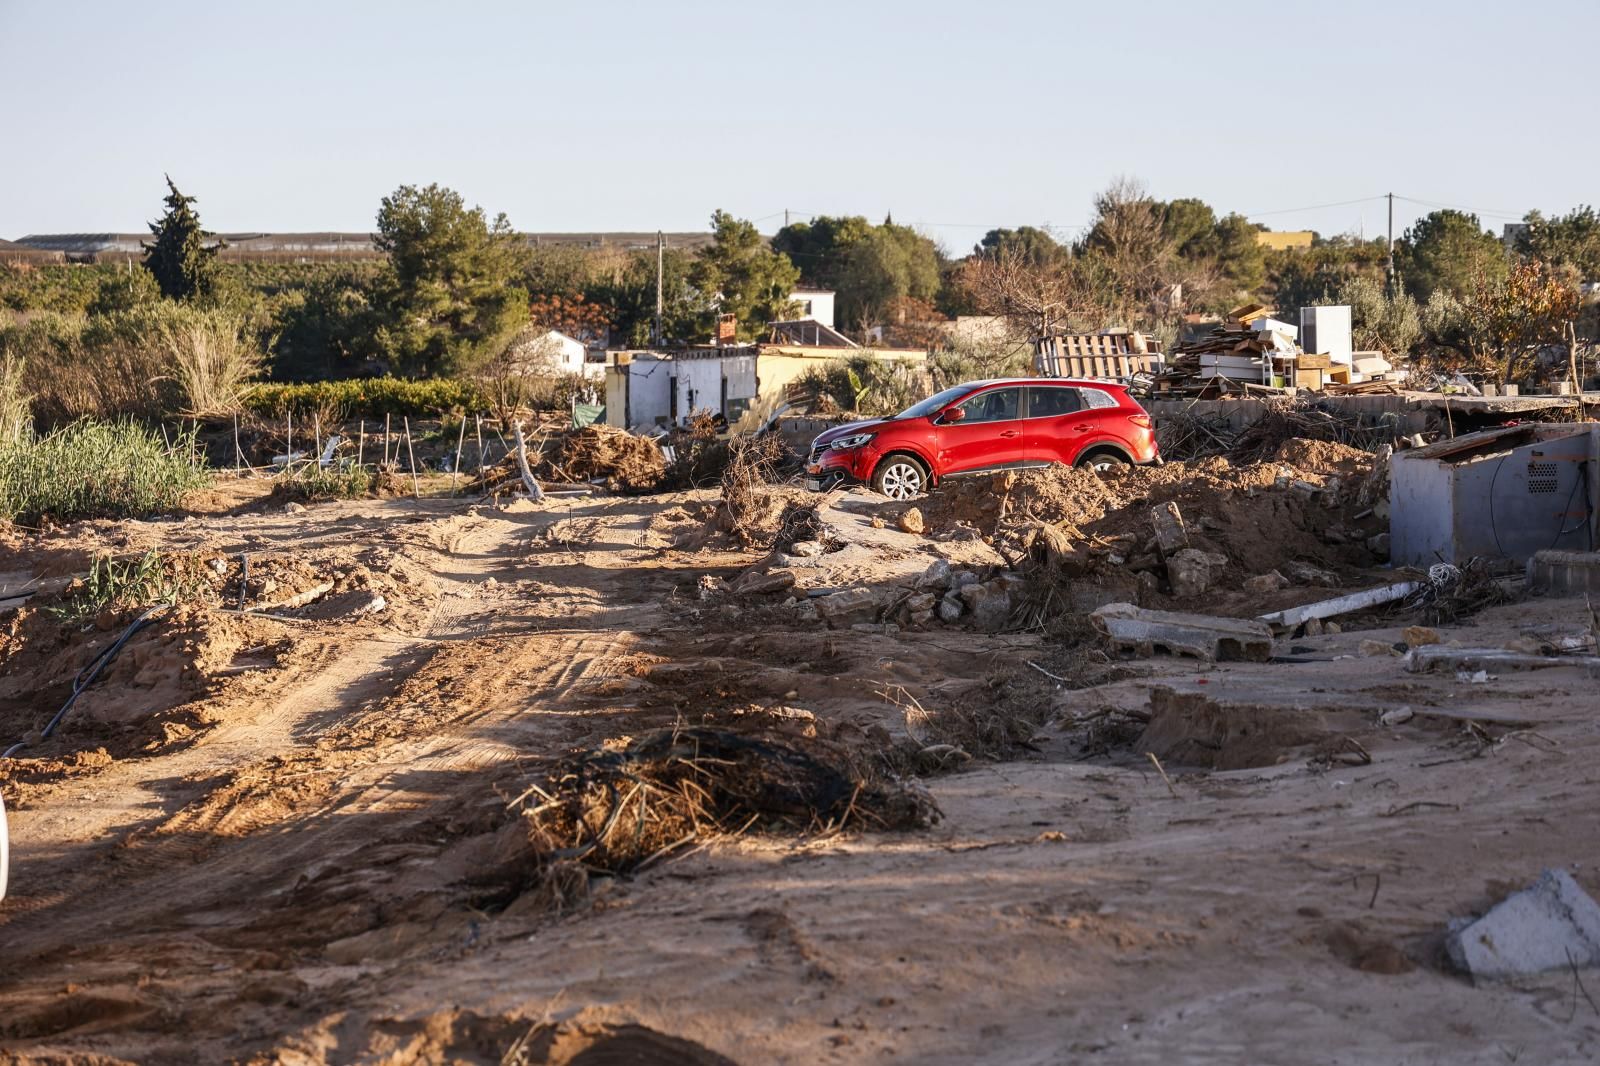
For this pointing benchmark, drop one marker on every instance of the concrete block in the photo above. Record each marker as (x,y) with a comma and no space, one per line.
(1190,571)
(1201,636)
(1558,573)
(1550,925)
(1171,536)
(851,605)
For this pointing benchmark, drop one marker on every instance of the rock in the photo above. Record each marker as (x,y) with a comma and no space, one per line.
(1171,535)
(1306,574)
(1332,627)
(937,576)
(1552,924)
(876,523)
(1378,544)
(874,627)
(710,586)
(911,521)
(849,606)
(1149,584)
(1313,627)
(989,604)
(294,508)
(921,618)
(1142,562)
(1190,572)
(806,611)
(1132,628)
(951,608)
(959,578)
(1271,581)
(763,584)
(806,549)
(1398,716)
(922,601)
(1376,648)
(1417,636)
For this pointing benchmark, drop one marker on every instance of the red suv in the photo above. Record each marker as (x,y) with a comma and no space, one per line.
(984,426)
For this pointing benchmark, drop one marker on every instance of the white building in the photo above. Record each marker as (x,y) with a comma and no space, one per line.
(815,305)
(561,353)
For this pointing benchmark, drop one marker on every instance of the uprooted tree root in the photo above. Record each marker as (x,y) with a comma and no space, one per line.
(617,811)
(746,488)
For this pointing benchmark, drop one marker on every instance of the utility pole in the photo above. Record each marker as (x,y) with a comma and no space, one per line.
(1391,244)
(786,218)
(661,245)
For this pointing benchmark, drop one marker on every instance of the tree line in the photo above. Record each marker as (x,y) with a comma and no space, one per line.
(455,287)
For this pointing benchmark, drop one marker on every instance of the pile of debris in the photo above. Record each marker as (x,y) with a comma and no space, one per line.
(592,454)
(1186,435)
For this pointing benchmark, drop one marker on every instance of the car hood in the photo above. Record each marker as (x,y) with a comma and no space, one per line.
(831,435)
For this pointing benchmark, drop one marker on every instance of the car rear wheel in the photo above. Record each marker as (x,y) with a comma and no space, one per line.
(900,477)
(1101,462)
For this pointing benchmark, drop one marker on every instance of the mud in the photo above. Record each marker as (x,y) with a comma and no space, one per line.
(325,866)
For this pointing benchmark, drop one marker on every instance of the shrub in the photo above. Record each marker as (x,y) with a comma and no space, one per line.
(136,583)
(211,360)
(313,482)
(97,470)
(365,398)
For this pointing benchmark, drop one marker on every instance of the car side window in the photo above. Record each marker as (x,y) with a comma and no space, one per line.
(1050,401)
(996,405)
(1094,398)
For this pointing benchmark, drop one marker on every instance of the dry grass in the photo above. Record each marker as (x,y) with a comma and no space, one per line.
(211,361)
(746,488)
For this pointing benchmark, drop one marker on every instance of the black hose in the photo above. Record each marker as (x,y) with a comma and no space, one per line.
(87,675)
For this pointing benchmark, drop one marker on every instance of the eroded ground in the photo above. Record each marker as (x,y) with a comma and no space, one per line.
(278,836)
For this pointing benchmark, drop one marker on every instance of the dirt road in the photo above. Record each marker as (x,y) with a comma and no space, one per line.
(296,879)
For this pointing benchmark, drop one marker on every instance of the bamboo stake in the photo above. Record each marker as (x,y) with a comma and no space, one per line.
(461,438)
(288,448)
(386,440)
(477,427)
(416,485)
(316,439)
(361,444)
(238,452)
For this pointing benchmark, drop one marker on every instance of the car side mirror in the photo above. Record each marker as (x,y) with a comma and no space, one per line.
(953,414)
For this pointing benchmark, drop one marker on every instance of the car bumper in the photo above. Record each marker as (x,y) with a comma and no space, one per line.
(831,469)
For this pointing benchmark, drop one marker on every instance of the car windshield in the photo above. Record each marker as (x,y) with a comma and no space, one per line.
(935,402)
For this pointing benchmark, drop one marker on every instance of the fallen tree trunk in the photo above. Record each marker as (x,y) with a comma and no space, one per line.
(522,464)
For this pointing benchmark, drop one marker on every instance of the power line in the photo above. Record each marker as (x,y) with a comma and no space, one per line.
(1313,207)
(1458,207)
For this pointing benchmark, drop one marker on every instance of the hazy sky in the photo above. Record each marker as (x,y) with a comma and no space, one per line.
(611,115)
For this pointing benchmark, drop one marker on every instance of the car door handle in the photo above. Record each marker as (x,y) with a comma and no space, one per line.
(1009,433)
(1080,429)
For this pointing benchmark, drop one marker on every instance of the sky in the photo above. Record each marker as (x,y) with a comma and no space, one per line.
(956,117)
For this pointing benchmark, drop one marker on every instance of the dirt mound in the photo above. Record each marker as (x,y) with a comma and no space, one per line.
(1191,730)
(1308,516)
(1324,456)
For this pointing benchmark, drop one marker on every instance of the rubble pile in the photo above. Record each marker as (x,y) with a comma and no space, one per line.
(1228,535)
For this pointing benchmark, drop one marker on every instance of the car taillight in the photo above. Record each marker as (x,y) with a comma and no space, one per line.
(1142,421)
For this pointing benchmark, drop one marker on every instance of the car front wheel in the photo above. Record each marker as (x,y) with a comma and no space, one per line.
(900,478)
(1101,462)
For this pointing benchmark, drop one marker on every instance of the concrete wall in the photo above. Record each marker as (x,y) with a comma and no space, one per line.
(778,367)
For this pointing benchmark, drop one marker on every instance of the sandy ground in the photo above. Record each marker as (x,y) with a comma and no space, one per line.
(281,868)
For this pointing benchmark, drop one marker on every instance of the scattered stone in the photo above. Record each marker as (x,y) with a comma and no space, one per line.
(922,601)
(921,618)
(874,627)
(1398,716)
(1171,535)
(806,549)
(1378,544)
(763,584)
(1332,627)
(951,608)
(1417,636)
(911,521)
(1313,627)
(959,578)
(989,603)
(1306,574)
(1376,648)
(1190,572)
(851,605)
(806,611)
(1149,584)
(1131,628)
(294,508)
(937,576)
(1552,924)
(1271,581)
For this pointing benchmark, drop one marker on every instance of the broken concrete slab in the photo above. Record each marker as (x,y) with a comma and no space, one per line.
(851,605)
(1355,601)
(1435,658)
(1559,573)
(758,584)
(1550,925)
(1131,628)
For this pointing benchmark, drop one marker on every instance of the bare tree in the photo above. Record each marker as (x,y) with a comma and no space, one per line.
(1034,300)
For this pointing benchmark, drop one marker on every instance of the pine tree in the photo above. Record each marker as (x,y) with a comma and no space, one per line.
(179,258)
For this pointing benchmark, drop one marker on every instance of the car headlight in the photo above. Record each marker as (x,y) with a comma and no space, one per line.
(854,440)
